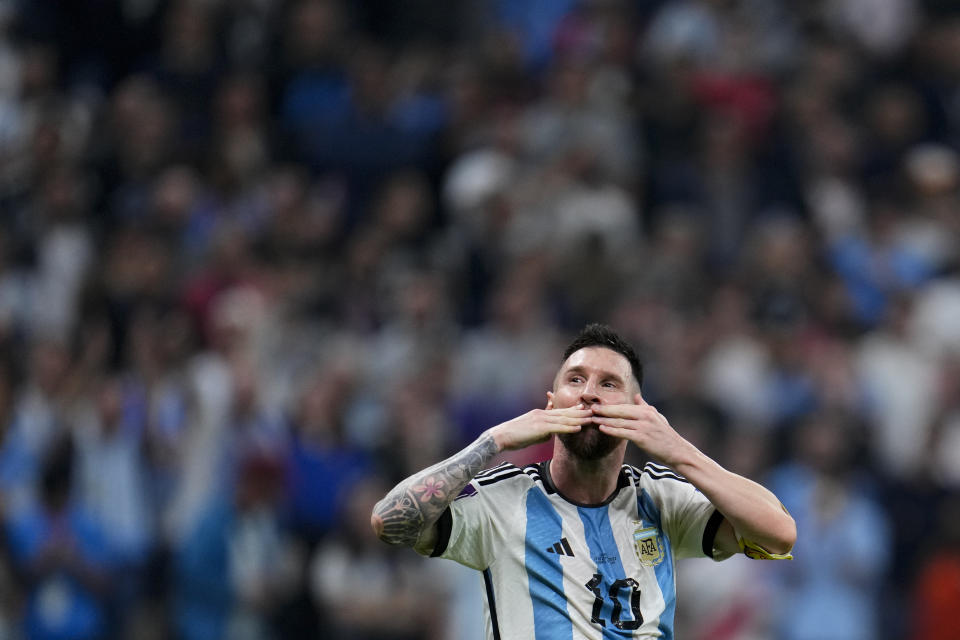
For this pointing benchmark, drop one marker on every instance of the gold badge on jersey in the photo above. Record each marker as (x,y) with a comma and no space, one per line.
(648,546)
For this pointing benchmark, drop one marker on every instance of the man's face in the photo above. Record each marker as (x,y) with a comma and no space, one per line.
(592,375)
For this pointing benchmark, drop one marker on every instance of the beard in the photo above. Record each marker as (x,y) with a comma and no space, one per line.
(589,443)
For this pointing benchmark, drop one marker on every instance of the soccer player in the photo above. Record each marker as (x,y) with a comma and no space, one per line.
(582,545)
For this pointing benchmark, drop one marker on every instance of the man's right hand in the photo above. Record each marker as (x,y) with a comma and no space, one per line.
(538,425)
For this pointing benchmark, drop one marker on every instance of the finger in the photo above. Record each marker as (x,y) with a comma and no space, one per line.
(616,432)
(615,410)
(618,423)
(549,400)
(565,428)
(638,399)
(579,410)
(577,420)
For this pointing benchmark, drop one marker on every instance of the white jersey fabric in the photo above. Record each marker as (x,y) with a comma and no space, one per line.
(554,569)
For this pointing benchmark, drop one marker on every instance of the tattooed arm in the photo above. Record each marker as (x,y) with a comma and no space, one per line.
(405,517)
(408,514)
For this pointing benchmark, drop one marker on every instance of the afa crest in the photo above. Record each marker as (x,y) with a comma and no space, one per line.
(648,546)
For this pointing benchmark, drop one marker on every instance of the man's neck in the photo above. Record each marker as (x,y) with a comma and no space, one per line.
(585,481)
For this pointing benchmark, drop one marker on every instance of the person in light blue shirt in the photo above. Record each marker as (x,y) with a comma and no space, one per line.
(62,553)
(833,586)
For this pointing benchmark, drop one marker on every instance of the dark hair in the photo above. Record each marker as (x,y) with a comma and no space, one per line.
(601,335)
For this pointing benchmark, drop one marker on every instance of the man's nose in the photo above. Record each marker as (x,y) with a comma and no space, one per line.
(589,395)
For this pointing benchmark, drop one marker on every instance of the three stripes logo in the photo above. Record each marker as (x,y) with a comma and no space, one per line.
(561,548)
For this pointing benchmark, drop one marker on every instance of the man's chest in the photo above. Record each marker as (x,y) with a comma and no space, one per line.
(600,567)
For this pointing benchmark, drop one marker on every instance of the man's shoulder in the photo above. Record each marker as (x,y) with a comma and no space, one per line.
(653,475)
(507,474)
(499,486)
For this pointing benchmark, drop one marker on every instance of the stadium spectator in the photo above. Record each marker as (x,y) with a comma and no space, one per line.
(61,554)
(322,455)
(363,590)
(844,551)
(237,567)
(111,484)
(35,424)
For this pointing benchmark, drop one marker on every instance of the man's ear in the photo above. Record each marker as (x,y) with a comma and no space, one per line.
(549,400)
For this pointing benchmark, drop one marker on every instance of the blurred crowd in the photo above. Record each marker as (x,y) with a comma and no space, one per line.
(261,259)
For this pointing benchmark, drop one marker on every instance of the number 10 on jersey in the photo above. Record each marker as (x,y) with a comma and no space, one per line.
(631,590)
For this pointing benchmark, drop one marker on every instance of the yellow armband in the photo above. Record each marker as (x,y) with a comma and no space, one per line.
(756,552)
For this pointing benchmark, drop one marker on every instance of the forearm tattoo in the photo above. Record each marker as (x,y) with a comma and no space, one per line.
(418,501)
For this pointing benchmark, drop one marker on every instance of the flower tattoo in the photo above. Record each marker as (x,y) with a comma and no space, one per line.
(418,501)
(431,488)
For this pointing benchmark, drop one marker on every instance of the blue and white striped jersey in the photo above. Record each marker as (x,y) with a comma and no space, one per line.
(558,570)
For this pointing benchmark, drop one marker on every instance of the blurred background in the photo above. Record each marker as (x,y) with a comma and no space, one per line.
(261,259)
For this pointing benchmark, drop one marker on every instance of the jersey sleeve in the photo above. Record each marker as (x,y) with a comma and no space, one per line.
(467,530)
(687,517)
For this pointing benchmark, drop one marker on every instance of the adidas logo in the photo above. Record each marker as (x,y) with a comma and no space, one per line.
(561,548)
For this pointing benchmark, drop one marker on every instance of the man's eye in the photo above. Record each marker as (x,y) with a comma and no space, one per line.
(609,385)
(576,379)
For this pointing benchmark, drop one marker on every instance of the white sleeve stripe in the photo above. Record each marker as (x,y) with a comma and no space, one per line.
(500,476)
(493,470)
(653,466)
(658,473)
(499,472)
(532,470)
(668,476)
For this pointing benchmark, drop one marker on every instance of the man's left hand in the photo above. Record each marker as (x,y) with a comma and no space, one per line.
(645,427)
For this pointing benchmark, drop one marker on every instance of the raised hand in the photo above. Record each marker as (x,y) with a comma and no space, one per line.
(753,512)
(407,514)
(645,427)
(538,425)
